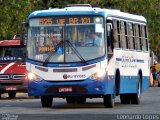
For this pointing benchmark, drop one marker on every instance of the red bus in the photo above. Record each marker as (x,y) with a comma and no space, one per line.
(12,67)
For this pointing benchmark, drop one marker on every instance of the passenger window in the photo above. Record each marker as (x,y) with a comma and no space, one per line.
(115,36)
(124,46)
(130,36)
(144,38)
(139,38)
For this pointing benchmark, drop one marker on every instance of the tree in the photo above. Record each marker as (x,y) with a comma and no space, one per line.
(16,11)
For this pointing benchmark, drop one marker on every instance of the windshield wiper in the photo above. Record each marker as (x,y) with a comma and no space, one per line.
(52,53)
(76,52)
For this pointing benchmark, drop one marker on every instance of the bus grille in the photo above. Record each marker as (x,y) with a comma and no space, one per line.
(11,76)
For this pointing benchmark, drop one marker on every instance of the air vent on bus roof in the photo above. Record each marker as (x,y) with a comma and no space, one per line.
(78,5)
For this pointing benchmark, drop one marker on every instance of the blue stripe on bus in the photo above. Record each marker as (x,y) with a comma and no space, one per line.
(140,61)
(128,84)
(133,60)
(118,59)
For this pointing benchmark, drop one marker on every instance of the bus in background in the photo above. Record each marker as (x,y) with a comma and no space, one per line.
(12,67)
(66,61)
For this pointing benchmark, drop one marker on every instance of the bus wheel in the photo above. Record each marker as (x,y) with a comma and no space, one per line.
(81,100)
(70,100)
(135,98)
(108,101)
(46,101)
(12,95)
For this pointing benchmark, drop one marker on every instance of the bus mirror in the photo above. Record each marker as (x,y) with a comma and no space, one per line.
(23,31)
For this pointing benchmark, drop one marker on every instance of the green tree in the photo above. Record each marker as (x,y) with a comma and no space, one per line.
(13,12)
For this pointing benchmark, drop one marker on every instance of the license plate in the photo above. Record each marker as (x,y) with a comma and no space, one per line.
(10,88)
(66,89)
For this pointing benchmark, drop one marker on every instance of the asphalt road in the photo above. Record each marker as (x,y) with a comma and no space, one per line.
(25,108)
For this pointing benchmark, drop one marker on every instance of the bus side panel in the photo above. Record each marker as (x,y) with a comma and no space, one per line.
(145,83)
(128,84)
(110,83)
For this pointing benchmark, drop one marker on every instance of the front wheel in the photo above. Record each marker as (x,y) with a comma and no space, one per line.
(46,101)
(109,101)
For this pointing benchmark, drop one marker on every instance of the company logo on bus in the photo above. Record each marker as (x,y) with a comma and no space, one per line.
(65,76)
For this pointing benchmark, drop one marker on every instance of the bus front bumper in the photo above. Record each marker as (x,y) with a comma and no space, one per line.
(70,88)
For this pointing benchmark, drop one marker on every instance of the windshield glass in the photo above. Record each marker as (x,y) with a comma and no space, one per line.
(12,53)
(66,39)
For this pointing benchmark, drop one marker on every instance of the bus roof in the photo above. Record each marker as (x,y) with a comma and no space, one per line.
(86,10)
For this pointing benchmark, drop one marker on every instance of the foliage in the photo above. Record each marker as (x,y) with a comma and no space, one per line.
(13,12)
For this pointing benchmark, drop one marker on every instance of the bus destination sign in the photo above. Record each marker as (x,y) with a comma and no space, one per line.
(65,20)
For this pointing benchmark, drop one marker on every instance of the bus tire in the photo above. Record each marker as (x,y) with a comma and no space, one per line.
(109,101)
(12,95)
(70,100)
(46,101)
(125,98)
(135,98)
(81,100)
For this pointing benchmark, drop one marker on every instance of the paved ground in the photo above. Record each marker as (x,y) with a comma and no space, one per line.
(24,105)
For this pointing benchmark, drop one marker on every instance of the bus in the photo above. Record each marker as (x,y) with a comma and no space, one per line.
(12,67)
(62,63)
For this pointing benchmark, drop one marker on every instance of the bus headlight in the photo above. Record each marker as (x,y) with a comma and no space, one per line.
(31,76)
(99,74)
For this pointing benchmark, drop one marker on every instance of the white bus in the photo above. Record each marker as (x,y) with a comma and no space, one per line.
(64,62)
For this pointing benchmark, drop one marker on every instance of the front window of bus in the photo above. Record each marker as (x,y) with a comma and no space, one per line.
(66,39)
(12,53)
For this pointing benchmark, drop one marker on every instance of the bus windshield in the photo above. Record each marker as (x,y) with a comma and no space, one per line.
(12,53)
(66,39)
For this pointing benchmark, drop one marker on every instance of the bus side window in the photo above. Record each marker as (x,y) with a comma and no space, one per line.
(123,37)
(134,36)
(137,41)
(131,36)
(129,39)
(144,38)
(140,35)
(119,34)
